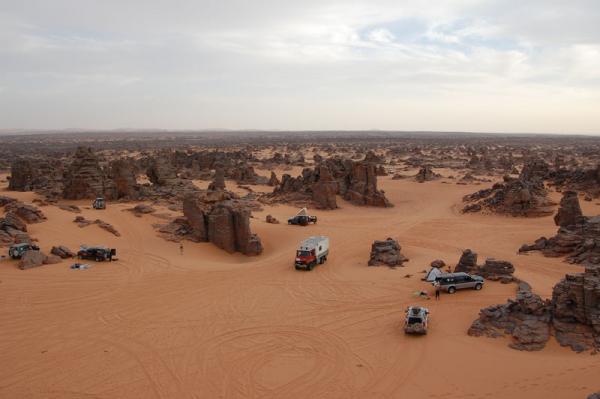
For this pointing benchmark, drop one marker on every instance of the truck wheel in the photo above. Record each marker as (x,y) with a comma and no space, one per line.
(296,267)
(324,259)
(451,290)
(478,286)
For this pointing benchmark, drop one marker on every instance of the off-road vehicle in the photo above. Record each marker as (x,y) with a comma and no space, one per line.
(16,251)
(450,282)
(99,254)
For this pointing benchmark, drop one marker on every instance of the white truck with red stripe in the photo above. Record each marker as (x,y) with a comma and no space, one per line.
(312,251)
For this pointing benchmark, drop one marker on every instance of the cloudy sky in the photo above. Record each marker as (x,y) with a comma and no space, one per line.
(497,66)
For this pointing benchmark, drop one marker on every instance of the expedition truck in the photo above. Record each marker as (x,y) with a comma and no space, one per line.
(312,251)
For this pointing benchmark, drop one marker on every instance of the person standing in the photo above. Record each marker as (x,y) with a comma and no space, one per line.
(181,248)
(437,290)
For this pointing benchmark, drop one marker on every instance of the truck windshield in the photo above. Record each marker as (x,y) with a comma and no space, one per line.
(303,253)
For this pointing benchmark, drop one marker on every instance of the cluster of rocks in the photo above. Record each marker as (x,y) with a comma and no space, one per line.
(492,269)
(13,226)
(578,236)
(515,197)
(572,316)
(386,252)
(354,181)
(217,218)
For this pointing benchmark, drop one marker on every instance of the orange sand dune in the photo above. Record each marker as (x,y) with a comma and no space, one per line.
(207,324)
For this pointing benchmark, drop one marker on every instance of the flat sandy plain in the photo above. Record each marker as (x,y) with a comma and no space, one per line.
(206,324)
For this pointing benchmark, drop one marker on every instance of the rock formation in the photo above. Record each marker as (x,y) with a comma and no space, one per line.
(62,252)
(577,239)
(84,178)
(41,175)
(29,213)
(387,253)
(354,181)
(426,173)
(514,197)
(572,316)
(218,182)
(122,180)
(467,262)
(272,220)
(160,171)
(324,189)
(492,269)
(219,220)
(31,259)
(569,213)
(526,320)
(362,186)
(273,180)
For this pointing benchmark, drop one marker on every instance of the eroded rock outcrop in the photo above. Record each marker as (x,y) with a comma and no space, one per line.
(572,316)
(569,213)
(354,181)
(31,259)
(515,197)
(29,213)
(84,177)
(467,262)
(578,242)
(62,252)
(122,182)
(220,220)
(386,252)
(526,320)
(426,173)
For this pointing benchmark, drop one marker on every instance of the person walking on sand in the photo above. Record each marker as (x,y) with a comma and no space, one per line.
(437,290)
(181,248)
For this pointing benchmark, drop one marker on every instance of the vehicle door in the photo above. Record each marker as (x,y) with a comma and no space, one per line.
(462,282)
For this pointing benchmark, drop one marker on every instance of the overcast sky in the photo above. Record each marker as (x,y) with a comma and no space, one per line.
(498,66)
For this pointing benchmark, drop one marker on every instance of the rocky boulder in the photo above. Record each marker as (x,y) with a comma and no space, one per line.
(270,219)
(386,252)
(31,259)
(62,252)
(569,213)
(467,262)
(494,269)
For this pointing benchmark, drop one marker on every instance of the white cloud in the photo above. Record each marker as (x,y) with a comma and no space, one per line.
(302,65)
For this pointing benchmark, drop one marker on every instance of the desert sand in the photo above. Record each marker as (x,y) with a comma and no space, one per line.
(208,324)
